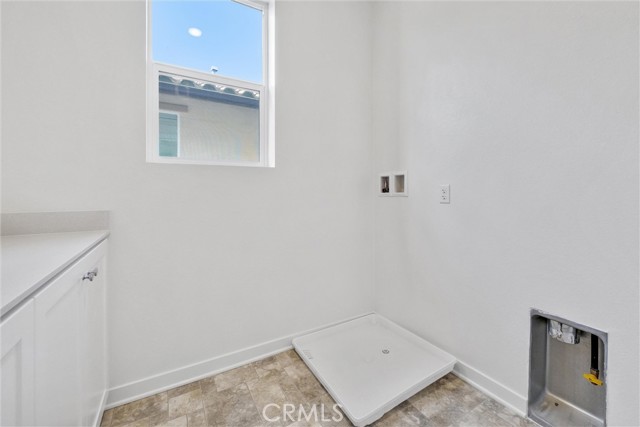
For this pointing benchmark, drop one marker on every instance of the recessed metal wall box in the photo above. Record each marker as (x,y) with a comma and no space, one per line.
(567,373)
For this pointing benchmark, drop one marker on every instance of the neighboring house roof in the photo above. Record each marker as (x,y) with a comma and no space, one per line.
(208,91)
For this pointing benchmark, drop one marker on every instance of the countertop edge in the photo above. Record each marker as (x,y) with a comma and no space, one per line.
(16,302)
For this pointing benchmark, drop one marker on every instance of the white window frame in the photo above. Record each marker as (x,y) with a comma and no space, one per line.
(266,90)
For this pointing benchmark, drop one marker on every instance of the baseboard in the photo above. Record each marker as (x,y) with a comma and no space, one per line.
(103,403)
(167,380)
(491,387)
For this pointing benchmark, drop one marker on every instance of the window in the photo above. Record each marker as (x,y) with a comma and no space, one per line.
(209,88)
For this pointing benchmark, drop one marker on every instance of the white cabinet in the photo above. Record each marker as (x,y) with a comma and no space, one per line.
(93,340)
(17,367)
(58,352)
(54,350)
(70,345)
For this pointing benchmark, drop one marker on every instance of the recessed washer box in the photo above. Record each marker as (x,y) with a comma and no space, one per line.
(393,184)
(370,365)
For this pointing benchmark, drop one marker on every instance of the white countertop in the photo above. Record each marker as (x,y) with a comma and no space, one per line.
(31,260)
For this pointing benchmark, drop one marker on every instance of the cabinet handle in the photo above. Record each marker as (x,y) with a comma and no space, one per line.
(91,275)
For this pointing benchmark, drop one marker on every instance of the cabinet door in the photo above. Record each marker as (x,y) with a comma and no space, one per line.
(93,342)
(58,394)
(70,362)
(16,369)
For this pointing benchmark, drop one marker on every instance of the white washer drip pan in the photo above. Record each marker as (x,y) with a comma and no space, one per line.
(370,365)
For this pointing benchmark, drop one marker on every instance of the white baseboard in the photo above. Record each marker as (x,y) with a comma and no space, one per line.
(167,380)
(491,387)
(103,403)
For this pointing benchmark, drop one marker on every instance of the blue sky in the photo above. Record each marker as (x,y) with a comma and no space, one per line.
(231,37)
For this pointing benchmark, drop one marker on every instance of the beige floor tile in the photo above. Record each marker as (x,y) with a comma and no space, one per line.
(139,409)
(236,398)
(293,397)
(265,366)
(296,360)
(231,407)
(304,424)
(234,377)
(429,391)
(183,389)
(185,403)
(162,419)
(208,385)
(240,412)
(272,375)
(306,382)
(439,405)
(395,418)
(196,419)
(520,421)
(432,399)
(138,423)
(329,413)
(286,358)
(483,415)
(269,399)
(174,422)
(410,412)
(493,407)
(107,416)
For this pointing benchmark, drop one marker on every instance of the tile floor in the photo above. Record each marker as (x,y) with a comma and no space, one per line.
(236,398)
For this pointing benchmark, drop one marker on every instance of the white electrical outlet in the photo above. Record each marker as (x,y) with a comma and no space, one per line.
(444,193)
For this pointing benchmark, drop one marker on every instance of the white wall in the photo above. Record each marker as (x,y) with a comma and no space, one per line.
(203,260)
(530,111)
